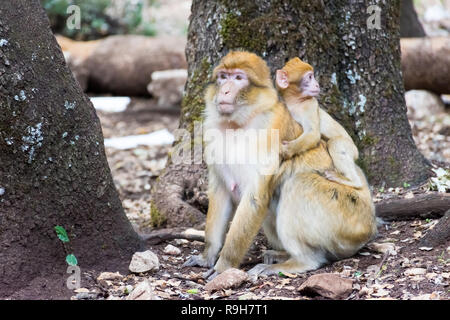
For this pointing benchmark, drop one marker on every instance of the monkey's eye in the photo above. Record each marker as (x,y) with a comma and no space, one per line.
(222,76)
(238,77)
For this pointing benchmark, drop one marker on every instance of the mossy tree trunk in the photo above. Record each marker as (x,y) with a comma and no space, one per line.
(53,168)
(358,68)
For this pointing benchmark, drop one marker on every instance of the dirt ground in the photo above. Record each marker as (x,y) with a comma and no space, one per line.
(393,266)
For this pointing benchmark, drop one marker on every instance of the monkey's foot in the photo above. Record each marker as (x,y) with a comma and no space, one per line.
(197,261)
(259,269)
(334,177)
(274,256)
(210,274)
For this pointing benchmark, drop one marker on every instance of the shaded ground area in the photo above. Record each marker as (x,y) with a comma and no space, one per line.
(394,266)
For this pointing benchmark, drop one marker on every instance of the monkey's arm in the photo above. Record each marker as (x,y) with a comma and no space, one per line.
(309,120)
(219,212)
(246,223)
(342,150)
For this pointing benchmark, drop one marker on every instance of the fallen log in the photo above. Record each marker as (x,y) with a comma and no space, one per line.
(123,65)
(426,63)
(429,205)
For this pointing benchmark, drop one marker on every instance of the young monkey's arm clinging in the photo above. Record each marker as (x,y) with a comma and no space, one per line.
(308,118)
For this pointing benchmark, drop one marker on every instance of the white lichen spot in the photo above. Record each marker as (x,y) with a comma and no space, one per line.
(3,42)
(2,191)
(361,103)
(334,79)
(9,141)
(33,56)
(32,140)
(64,135)
(348,15)
(77,137)
(70,105)
(352,77)
(361,134)
(352,109)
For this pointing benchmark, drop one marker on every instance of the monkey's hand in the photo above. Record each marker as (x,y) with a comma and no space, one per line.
(198,261)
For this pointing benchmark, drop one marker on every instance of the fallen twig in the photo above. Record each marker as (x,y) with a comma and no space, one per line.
(161,235)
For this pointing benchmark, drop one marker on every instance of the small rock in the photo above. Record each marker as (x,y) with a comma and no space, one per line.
(172,250)
(168,86)
(143,291)
(385,248)
(427,296)
(109,276)
(80,290)
(230,278)
(415,271)
(144,261)
(421,104)
(327,285)
(426,248)
(86,296)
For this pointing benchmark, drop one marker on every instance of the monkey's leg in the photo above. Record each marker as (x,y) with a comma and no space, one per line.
(270,230)
(217,218)
(246,223)
(343,153)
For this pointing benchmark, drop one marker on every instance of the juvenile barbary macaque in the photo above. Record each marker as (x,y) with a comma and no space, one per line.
(298,87)
(303,214)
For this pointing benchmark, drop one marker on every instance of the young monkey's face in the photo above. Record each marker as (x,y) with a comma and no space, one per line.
(307,86)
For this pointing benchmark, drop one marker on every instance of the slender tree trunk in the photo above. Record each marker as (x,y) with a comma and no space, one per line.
(53,168)
(357,62)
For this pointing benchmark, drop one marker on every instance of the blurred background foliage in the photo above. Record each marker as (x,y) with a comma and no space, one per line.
(100,18)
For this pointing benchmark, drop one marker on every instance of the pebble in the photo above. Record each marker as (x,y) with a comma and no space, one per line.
(172,250)
(144,261)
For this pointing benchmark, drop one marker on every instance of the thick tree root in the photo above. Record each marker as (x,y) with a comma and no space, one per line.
(440,234)
(179,197)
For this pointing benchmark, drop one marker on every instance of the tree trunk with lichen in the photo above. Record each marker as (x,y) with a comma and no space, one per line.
(53,168)
(357,64)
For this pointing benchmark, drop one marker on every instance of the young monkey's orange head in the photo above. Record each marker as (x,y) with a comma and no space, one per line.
(297,77)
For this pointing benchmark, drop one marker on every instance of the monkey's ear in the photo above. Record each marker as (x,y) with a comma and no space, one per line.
(282,79)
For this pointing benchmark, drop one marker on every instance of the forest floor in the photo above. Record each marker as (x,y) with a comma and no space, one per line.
(393,266)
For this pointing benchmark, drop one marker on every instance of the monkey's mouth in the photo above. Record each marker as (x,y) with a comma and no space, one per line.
(225,108)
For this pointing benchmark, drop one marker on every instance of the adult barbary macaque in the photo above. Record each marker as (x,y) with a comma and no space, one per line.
(298,87)
(310,218)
